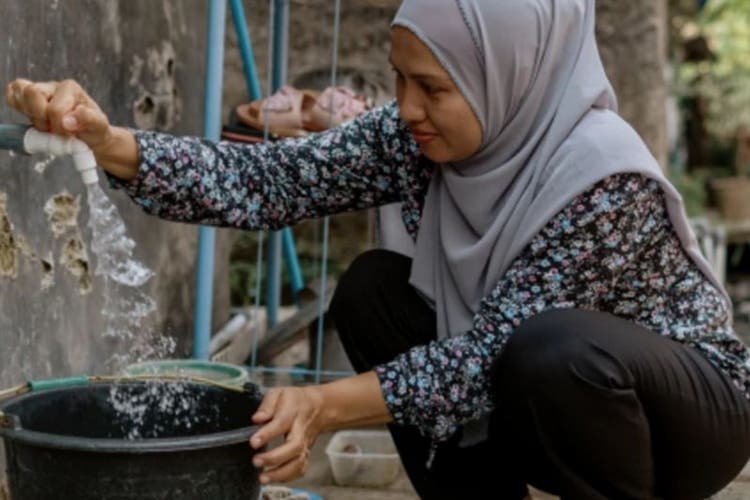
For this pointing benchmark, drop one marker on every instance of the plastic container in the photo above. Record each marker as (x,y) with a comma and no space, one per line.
(218,372)
(733,197)
(71,443)
(363,458)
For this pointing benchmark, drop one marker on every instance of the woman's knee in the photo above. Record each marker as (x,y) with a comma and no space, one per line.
(366,277)
(544,351)
(364,282)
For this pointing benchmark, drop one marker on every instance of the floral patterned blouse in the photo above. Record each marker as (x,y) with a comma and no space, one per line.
(611,249)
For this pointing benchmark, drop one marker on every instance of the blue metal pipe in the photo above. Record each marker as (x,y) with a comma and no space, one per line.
(11,137)
(204,280)
(280,43)
(280,29)
(292,262)
(246,49)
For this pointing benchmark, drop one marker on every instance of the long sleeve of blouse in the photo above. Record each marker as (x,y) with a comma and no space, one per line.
(362,164)
(575,261)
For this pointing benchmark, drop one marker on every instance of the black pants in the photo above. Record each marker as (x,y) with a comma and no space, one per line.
(588,405)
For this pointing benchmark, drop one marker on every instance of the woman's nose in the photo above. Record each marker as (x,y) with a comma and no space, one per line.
(411,104)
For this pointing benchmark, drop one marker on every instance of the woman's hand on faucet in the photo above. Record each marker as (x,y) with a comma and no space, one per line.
(64,108)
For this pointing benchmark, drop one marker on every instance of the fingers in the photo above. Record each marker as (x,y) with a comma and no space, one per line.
(291,413)
(34,103)
(267,407)
(290,470)
(31,99)
(294,446)
(62,108)
(61,105)
(10,96)
(279,426)
(14,93)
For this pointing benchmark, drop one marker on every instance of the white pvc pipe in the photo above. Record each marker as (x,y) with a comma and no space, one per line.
(55,145)
(228,332)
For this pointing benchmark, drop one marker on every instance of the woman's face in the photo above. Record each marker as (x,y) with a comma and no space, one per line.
(439,117)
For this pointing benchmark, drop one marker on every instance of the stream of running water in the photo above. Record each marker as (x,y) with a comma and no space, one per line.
(129,311)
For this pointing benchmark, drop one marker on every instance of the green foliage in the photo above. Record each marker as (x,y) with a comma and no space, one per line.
(724,82)
(693,191)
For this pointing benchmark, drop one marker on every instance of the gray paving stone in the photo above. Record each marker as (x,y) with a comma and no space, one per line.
(738,490)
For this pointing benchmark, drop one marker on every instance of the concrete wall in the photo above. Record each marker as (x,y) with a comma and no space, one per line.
(143,61)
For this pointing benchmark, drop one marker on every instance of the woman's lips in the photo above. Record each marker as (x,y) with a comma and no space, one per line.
(423,137)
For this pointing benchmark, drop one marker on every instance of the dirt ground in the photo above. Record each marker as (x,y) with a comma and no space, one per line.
(319,480)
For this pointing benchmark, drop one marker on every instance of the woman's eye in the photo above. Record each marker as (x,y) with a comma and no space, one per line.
(429,89)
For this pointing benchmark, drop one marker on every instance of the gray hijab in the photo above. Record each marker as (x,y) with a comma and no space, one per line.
(531,71)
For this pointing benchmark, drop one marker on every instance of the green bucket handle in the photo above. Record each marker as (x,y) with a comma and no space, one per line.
(58,383)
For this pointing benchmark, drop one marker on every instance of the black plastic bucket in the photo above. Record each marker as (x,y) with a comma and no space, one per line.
(73,443)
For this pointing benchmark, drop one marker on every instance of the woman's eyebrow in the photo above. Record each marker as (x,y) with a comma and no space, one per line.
(420,76)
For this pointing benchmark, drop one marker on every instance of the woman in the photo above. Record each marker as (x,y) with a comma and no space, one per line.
(557,325)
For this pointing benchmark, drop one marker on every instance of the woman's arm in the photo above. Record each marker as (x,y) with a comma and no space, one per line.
(573,262)
(367,162)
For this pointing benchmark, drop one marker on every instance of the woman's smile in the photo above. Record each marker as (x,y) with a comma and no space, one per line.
(423,138)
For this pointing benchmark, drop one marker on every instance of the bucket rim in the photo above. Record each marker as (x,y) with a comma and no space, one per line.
(118,446)
(122,446)
(236,374)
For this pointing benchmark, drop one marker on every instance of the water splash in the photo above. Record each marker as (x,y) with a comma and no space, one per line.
(128,308)
(41,166)
(129,322)
(111,244)
(143,410)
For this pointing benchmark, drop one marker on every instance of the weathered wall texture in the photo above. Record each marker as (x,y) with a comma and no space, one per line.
(143,61)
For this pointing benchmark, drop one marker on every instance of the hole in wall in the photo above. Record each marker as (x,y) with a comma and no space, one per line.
(62,213)
(145,105)
(75,259)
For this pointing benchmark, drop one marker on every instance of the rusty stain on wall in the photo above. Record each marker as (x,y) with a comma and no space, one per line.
(158,105)
(8,243)
(13,245)
(62,212)
(24,247)
(75,259)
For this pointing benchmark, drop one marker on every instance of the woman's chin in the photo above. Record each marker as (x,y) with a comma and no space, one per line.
(435,153)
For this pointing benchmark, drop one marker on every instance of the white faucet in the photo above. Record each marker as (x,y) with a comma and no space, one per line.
(26,139)
(35,141)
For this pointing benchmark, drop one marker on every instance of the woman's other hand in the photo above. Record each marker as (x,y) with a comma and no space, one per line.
(300,414)
(64,108)
(294,413)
